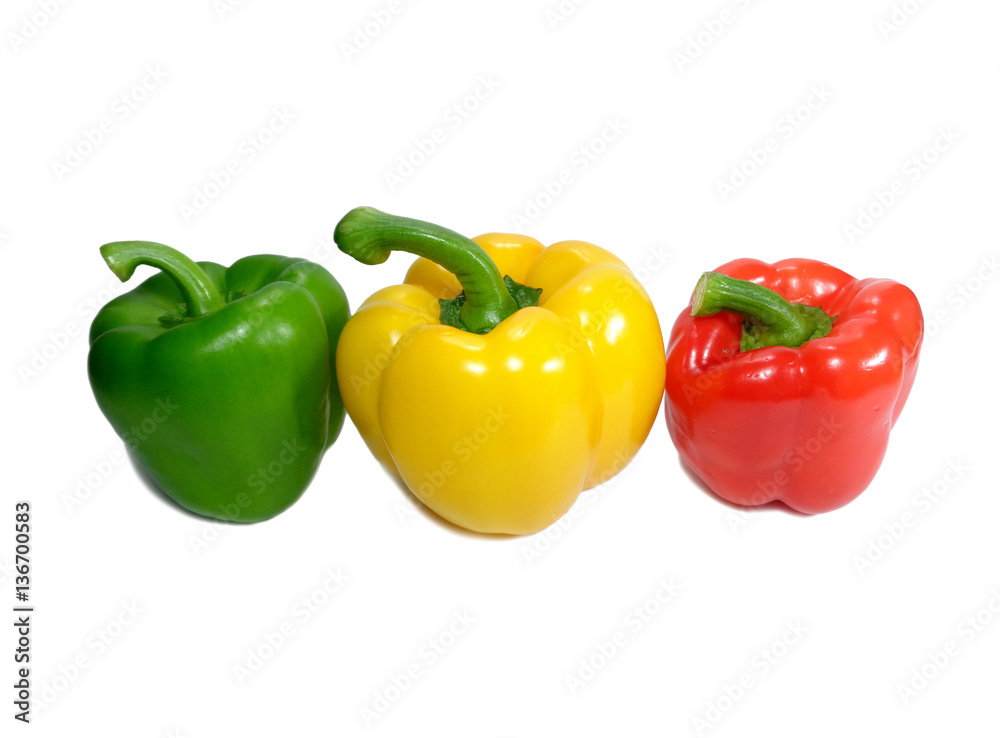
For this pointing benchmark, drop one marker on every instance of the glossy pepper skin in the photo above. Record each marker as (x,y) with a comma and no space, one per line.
(806,423)
(220,380)
(498,420)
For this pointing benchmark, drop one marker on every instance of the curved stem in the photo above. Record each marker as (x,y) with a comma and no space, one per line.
(769,319)
(369,235)
(199,293)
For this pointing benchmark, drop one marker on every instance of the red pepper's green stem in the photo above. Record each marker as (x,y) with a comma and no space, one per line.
(200,295)
(369,235)
(768,318)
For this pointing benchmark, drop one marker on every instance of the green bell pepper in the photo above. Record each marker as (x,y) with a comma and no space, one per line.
(221,381)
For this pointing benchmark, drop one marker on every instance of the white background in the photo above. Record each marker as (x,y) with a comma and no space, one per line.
(210,595)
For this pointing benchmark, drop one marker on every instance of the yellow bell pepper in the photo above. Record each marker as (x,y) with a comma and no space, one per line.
(496,403)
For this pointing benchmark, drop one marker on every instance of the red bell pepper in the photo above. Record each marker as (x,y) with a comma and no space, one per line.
(784,380)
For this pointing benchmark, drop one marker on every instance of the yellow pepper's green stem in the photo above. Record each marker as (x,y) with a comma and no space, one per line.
(768,318)
(369,235)
(200,295)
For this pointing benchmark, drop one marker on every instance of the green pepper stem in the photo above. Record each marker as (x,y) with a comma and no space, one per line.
(200,295)
(369,235)
(768,318)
